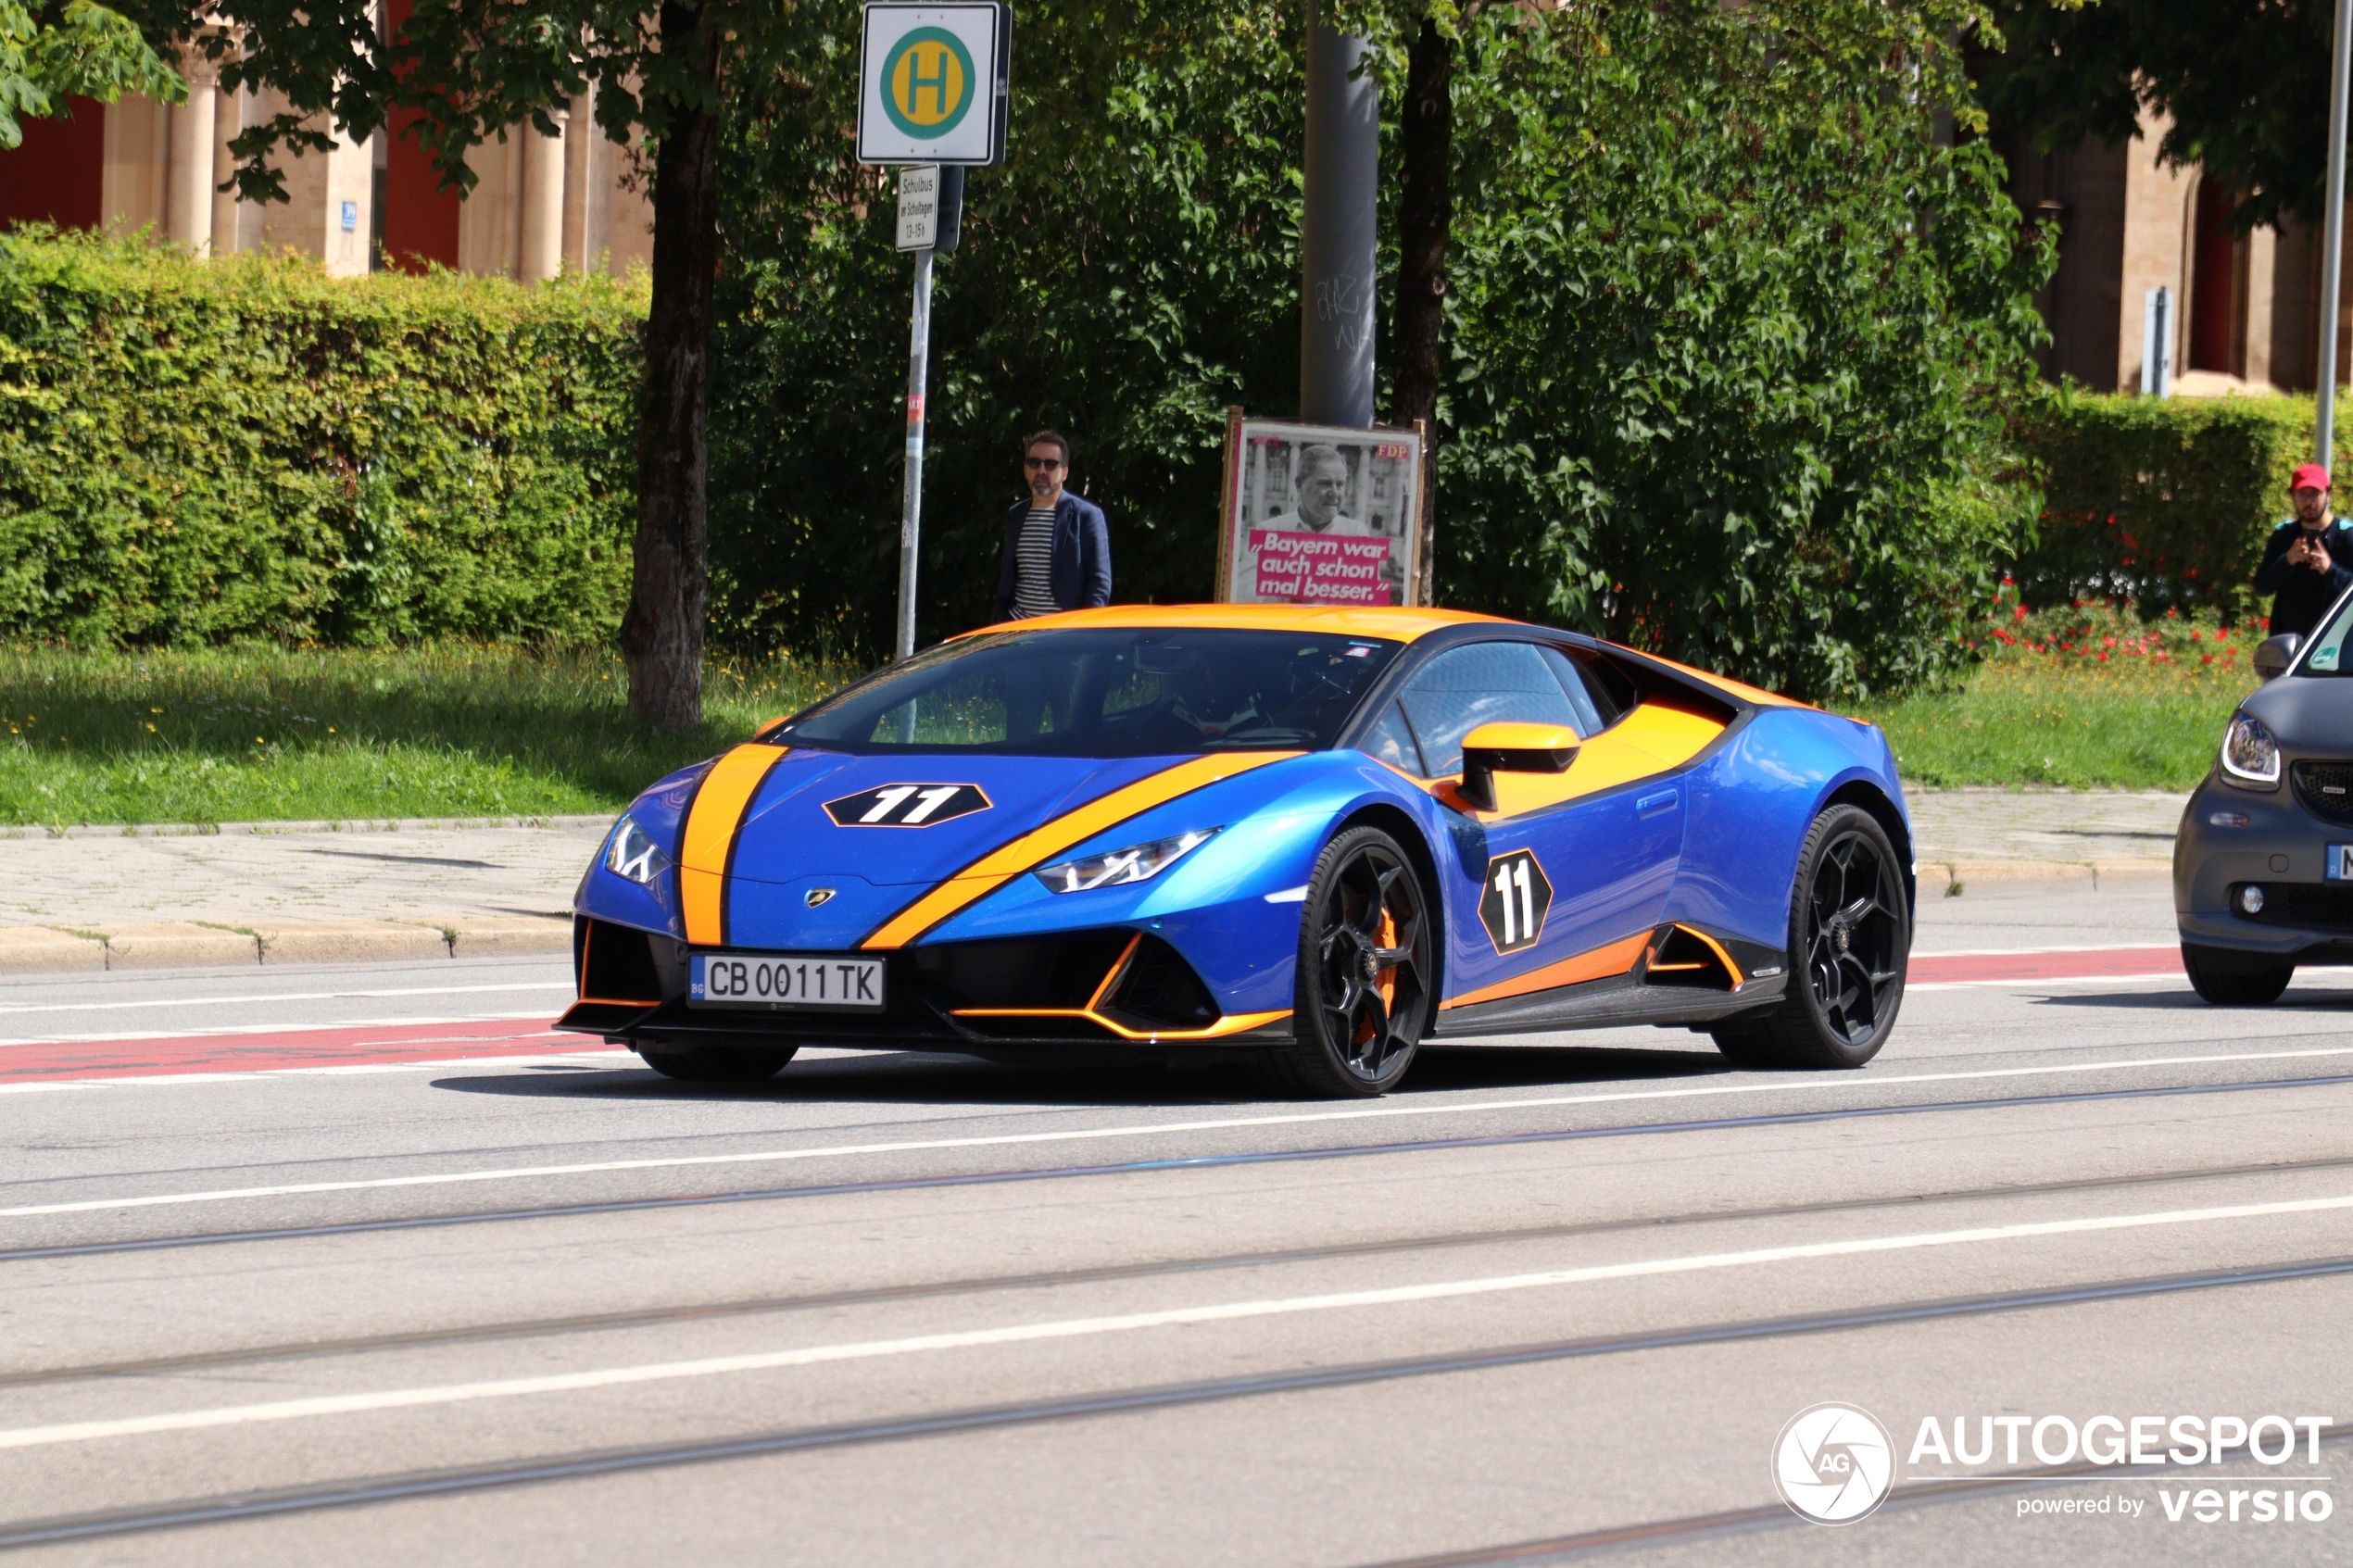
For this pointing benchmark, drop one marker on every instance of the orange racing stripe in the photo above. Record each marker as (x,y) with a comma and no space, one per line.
(708,845)
(1614,958)
(992,870)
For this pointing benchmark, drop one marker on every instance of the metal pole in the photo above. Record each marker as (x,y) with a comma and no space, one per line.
(2332,236)
(1337,231)
(911,515)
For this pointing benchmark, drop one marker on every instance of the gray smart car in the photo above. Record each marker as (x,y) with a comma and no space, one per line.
(2263,859)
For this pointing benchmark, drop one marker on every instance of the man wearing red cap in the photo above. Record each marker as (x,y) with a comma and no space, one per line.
(2309,559)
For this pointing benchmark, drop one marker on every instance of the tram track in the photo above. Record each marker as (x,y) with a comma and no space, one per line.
(1132,1167)
(451,1481)
(590,1323)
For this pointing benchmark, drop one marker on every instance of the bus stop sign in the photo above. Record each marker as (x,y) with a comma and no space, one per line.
(932,81)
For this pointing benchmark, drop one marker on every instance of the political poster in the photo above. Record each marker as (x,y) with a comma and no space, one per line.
(1317,515)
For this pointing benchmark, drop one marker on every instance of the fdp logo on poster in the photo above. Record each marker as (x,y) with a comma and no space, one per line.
(933,83)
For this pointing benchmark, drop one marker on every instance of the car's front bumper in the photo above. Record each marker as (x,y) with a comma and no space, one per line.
(2283,848)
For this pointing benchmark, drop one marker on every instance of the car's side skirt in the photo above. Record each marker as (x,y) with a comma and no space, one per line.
(1596,1004)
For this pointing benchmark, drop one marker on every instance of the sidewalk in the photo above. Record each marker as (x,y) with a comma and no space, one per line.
(314,892)
(290,893)
(1979,836)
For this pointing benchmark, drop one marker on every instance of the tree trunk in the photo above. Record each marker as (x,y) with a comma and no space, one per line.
(670,591)
(1425,214)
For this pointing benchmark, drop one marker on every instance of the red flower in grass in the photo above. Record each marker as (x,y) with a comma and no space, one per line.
(2022,612)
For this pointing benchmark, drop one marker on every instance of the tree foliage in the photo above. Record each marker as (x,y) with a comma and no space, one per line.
(2246,83)
(1131,271)
(50,49)
(1729,334)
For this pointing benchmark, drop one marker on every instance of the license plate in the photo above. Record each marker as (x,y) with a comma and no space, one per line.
(2338,866)
(816,982)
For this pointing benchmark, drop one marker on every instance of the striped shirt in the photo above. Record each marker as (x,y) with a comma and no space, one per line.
(1033,565)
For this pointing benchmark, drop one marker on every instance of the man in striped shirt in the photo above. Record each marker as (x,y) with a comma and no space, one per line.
(1057,547)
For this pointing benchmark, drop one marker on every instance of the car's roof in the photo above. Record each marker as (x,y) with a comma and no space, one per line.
(1398,624)
(1401,624)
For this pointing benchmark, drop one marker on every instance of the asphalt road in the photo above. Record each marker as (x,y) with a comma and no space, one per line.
(339,1266)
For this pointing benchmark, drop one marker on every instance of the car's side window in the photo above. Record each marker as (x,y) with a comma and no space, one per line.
(1593,708)
(1482,683)
(1389,741)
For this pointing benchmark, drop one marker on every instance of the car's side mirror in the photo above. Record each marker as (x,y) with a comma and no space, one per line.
(1512,749)
(2273,654)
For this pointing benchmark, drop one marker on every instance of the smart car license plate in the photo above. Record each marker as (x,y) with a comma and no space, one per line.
(813,982)
(2338,866)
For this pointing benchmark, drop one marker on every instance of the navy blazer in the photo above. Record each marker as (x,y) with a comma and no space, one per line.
(1079,575)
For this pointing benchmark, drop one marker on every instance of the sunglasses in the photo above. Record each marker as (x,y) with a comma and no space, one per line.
(1041,462)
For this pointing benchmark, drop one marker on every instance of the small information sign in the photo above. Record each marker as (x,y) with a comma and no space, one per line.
(918,207)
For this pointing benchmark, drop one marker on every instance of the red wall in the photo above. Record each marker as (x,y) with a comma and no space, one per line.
(55,176)
(420,221)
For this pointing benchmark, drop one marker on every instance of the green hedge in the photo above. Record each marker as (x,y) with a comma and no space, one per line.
(192,452)
(2166,502)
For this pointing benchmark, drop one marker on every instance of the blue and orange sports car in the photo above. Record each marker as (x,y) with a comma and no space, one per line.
(1318,837)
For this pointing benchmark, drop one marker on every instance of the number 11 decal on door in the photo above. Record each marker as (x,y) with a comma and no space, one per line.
(1515,901)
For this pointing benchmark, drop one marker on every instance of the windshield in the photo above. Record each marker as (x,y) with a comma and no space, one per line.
(1145,692)
(2326,655)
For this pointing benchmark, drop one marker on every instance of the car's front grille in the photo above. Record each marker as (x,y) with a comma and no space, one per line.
(2315,906)
(2325,788)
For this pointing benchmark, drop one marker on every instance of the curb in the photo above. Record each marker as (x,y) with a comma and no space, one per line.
(39,949)
(354,824)
(1961,875)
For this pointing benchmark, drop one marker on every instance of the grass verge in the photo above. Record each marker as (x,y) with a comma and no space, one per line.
(2086,698)
(2079,698)
(258,734)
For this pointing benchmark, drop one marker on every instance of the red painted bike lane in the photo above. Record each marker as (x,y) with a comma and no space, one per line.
(379,1044)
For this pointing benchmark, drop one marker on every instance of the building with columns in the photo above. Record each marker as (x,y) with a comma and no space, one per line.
(541,204)
(2247,309)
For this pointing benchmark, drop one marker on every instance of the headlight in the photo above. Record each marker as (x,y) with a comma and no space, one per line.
(2250,755)
(633,855)
(1139,863)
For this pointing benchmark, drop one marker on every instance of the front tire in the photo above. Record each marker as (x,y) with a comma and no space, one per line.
(2216,977)
(1850,936)
(716,1064)
(1366,938)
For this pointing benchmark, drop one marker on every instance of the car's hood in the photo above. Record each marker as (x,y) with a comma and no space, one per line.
(2312,715)
(788,833)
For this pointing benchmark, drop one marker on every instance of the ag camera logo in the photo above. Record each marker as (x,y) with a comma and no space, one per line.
(1833,1463)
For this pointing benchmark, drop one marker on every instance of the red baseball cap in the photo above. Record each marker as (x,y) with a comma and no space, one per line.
(2311,475)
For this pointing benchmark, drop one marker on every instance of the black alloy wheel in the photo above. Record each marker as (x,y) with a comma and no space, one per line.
(715,1063)
(2230,980)
(1365,971)
(1850,934)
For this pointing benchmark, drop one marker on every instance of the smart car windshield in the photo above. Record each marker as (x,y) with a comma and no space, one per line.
(2327,654)
(1141,692)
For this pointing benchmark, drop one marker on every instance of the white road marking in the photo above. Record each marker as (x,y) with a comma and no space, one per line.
(2034,982)
(1128,1323)
(1089,1135)
(2170,943)
(289,997)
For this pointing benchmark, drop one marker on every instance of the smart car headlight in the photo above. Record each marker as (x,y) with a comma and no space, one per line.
(2250,754)
(632,855)
(1138,862)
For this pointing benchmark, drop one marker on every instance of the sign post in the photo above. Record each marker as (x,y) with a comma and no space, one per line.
(932,98)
